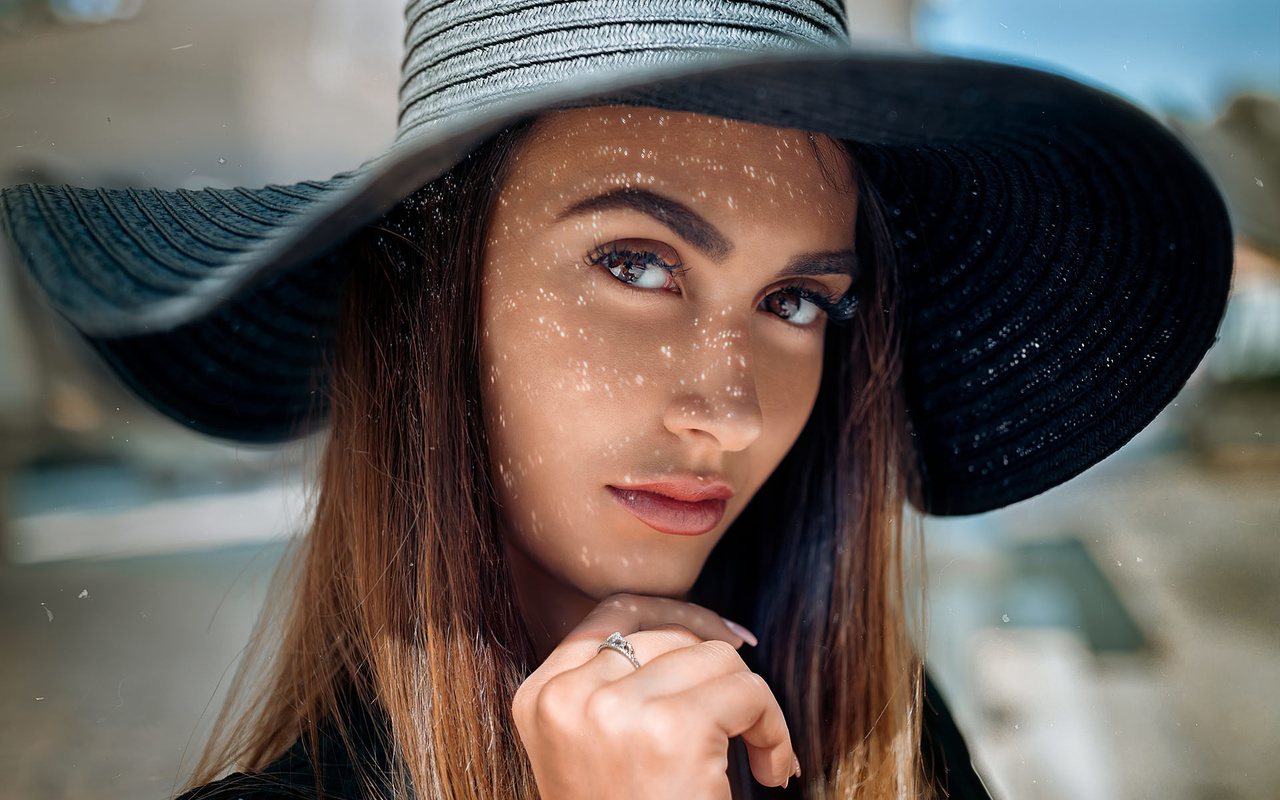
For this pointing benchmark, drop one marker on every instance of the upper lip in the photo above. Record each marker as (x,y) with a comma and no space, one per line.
(688,490)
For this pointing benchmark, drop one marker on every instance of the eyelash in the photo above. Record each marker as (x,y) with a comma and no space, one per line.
(645,258)
(839,309)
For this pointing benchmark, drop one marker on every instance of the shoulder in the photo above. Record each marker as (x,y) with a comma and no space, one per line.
(293,776)
(339,782)
(946,756)
(252,786)
(349,759)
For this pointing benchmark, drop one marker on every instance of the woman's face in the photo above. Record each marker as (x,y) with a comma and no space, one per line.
(651,314)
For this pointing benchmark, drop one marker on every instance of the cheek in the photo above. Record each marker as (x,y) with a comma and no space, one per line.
(787,385)
(562,395)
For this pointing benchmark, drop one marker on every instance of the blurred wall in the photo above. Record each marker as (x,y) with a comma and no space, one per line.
(110,664)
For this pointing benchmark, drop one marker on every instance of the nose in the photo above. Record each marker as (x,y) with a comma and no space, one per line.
(714,390)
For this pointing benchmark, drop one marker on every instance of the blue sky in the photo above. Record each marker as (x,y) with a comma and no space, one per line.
(1187,56)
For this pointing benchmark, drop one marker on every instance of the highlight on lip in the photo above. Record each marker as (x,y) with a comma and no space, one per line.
(688,490)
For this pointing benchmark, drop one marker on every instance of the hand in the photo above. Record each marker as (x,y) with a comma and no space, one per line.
(595,726)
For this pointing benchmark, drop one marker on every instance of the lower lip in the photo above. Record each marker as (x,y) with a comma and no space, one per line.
(670,516)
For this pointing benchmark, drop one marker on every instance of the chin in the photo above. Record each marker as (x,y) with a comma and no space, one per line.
(619,584)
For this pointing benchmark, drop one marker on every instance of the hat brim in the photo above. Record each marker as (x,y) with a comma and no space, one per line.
(1066,260)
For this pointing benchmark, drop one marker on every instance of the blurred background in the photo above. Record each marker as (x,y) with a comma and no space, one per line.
(1117,637)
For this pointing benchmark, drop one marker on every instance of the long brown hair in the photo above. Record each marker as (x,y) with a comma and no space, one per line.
(399,599)
(816,560)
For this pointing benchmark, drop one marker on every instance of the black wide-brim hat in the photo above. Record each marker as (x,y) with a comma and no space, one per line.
(1066,260)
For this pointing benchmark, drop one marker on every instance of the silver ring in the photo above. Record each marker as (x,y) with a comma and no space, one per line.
(616,642)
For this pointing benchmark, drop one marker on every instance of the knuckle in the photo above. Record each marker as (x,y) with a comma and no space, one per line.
(722,651)
(677,634)
(660,726)
(606,710)
(758,682)
(552,706)
(652,728)
(625,600)
(522,705)
(751,680)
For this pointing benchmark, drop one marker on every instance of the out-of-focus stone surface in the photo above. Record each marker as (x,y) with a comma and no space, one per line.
(1193,553)
(125,673)
(185,94)
(112,670)
(104,699)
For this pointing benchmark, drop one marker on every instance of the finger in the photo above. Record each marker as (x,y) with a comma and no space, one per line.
(644,612)
(609,665)
(575,685)
(593,666)
(630,613)
(679,668)
(741,704)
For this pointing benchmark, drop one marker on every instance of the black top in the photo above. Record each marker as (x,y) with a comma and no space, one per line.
(293,775)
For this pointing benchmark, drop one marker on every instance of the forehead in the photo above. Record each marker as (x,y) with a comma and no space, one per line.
(707,161)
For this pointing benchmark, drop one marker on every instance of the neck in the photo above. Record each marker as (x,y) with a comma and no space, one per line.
(550,607)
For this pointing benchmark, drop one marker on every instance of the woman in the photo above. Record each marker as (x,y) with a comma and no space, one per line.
(592,379)
(633,327)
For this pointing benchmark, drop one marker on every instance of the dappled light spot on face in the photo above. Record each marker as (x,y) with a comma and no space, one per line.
(625,333)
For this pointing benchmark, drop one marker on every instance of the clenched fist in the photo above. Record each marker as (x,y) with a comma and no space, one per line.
(596,726)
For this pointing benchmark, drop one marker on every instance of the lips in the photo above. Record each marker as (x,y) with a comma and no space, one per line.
(676,507)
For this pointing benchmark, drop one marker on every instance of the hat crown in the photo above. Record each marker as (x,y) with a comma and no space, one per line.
(463,55)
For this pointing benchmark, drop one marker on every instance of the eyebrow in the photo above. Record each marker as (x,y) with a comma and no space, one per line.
(682,220)
(836,262)
(702,235)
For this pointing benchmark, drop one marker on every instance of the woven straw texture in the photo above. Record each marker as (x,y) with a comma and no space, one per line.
(1066,259)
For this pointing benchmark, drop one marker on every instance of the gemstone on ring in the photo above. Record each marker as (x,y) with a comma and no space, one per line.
(621,645)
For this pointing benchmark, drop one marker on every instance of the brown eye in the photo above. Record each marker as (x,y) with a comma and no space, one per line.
(628,270)
(636,268)
(791,307)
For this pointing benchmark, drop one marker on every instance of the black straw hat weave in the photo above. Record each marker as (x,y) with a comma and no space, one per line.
(1066,260)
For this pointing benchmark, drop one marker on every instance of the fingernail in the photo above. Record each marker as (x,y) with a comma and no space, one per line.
(747,635)
(795,765)
(785,781)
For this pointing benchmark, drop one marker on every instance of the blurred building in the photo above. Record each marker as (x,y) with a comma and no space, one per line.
(1117,637)
(135,554)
